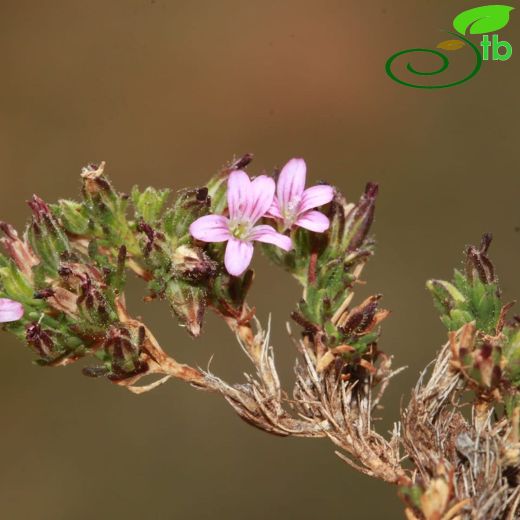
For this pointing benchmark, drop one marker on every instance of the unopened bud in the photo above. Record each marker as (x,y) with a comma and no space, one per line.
(188,302)
(193,263)
(478,263)
(19,250)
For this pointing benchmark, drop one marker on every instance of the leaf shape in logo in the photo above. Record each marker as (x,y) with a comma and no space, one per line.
(484,19)
(451,45)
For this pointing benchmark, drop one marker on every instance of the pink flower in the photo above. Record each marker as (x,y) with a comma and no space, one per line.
(294,205)
(10,310)
(248,201)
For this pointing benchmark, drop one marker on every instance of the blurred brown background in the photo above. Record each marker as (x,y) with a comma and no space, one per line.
(166,92)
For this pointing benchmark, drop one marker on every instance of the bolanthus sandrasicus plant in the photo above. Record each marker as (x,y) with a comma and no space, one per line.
(454,452)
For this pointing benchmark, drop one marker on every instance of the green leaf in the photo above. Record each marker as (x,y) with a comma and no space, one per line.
(484,19)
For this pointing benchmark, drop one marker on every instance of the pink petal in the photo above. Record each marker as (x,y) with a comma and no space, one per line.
(315,197)
(269,235)
(238,256)
(313,221)
(291,182)
(239,194)
(10,310)
(211,228)
(274,210)
(262,194)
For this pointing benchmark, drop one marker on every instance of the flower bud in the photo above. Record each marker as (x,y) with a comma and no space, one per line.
(188,302)
(360,319)
(478,264)
(40,339)
(46,236)
(358,220)
(19,250)
(108,210)
(473,296)
(94,180)
(193,263)
(122,349)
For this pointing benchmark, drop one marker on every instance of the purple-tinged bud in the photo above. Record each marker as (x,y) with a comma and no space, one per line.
(152,236)
(359,220)
(63,300)
(39,338)
(123,353)
(188,302)
(39,208)
(18,250)
(308,326)
(242,162)
(478,263)
(363,318)
(193,263)
(10,310)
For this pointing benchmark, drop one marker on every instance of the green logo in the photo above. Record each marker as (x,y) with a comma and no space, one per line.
(480,20)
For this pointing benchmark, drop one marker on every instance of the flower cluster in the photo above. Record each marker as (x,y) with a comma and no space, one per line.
(249,200)
(62,293)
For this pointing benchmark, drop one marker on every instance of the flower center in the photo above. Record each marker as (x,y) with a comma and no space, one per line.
(240,229)
(290,212)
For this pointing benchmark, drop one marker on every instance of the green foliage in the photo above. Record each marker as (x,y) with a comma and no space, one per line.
(46,237)
(14,284)
(327,266)
(107,212)
(177,269)
(465,301)
(473,296)
(149,204)
(73,215)
(69,272)
(486,347)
